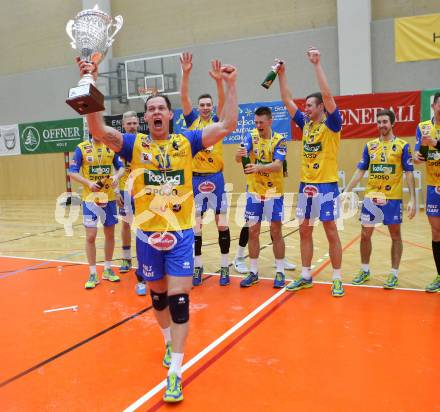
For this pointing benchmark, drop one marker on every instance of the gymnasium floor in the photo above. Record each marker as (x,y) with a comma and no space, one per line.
(256,349)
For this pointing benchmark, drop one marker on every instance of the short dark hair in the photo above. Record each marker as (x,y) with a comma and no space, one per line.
(317,96)
(389,113)
(436,96)
(204,96)
(263,111)
(164,96)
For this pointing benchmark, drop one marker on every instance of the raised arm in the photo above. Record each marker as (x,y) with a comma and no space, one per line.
(99,130)
(286,95)
(314,56)
(186,64)
(216,74)
(229,115)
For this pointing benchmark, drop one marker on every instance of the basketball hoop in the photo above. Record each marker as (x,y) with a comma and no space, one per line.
(146,92)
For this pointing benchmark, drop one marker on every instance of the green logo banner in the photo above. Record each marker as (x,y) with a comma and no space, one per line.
(383,168)
(51,137)
(427,100)
(157,178)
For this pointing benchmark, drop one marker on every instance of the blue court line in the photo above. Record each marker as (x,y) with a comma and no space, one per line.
(15,272)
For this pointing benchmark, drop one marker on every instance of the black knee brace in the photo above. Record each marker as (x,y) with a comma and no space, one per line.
(198,245)
(159,300)
(224,240)
(179,307)
(244,236)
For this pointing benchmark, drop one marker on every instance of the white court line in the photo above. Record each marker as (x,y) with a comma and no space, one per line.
(55,260)
(205,351)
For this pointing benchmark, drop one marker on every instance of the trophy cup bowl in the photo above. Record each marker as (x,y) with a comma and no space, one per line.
(91,36)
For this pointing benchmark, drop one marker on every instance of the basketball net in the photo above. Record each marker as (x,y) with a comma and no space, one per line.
(146,92)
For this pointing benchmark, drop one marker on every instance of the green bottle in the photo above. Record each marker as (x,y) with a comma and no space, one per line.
(267,82)
(245,160)
(285,173)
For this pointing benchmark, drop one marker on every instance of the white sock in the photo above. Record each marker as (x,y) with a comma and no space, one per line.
(240,252)
(198,261)
(253,265)
(305,273)
(395,272)
(365,267)
(176,364)
(279,263)
(107,264)
(224,261)
(92,269)
(126,253)
(337,274)
(166,335)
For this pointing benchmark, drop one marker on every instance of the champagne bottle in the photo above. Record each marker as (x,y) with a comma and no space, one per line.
(267,82)
(285,173)
(245,160)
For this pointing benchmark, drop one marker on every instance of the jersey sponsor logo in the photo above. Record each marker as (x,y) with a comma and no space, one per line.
(312,147)
(311,190)
(433,155)
(385,168)
(99,170)
(157,178)
(409,161)
(162,240)
(437,190)
(206,187)
(146,157)
(316,166)
(372,156)
(374,146)
(379,201)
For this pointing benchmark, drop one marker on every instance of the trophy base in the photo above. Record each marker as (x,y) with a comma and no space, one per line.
(86,99)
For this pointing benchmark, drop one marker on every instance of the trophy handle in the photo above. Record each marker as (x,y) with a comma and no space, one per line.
(110,38)
(69,27)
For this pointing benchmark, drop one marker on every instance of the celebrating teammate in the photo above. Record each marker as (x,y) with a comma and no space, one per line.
(92,165)
(386,158)
(321,127)
(428,137)
(208,180)
(162,174)
(267,150)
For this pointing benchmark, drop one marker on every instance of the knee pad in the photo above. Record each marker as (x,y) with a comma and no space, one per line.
(198,245)
(224,240)
(159,300)
(244,236)
(179,307)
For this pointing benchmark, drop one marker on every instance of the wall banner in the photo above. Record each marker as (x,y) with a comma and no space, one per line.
(9,140)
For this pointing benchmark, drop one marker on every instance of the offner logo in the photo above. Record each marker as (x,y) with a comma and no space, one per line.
(206,187)
(162,241)
(31,138)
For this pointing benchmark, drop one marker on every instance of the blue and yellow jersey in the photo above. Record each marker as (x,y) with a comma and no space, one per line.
(433,158)
(320,145)
(95,162)
(385,162)
(209,160)
(162,179)
(265,151)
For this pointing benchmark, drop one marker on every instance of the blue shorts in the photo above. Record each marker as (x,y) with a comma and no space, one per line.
(318,200)
(165,253)
(258,210)
(374,211)
(107,214)
(209,193)
(127,208)
(433,200)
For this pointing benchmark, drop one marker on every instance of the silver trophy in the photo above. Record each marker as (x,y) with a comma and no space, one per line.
(91,35)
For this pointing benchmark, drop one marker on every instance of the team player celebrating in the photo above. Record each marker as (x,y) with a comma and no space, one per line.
(264,175)
(208,180)
(162,173)
(321,132)
(428,138)
(386,158)
(92,166)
